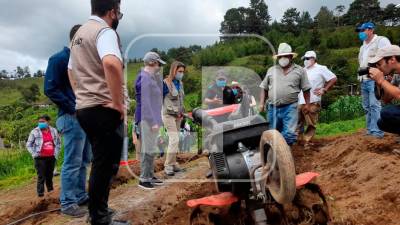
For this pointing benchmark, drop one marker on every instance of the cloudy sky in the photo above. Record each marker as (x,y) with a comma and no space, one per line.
(33,30)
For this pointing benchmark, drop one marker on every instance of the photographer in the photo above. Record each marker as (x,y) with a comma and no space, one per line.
(387,61)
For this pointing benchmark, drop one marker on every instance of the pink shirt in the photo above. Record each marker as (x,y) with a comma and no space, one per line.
(48,144)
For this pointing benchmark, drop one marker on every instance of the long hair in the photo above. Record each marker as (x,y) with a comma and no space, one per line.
(172,71)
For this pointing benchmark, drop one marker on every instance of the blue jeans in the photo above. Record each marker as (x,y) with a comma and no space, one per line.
(77,156)
(390,119)
(372,107)
(284,119)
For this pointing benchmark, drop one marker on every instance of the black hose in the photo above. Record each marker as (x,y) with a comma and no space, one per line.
(33,215)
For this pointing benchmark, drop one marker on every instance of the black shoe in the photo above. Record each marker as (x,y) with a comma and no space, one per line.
(40,195)
(146,185)
(111,212)
(74,211)
(157,182)
(120,222)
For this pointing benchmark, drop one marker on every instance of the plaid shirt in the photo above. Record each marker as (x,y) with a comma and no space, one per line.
(35,142)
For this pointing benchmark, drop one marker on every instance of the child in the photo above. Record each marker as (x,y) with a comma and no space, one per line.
(44,145)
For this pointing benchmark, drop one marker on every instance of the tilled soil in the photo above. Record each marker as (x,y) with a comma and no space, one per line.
(359,176)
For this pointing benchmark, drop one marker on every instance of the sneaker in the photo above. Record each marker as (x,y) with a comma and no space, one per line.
(74,211)
(178,169)
(41,195)
(157,182)
(146,185)
(120,222)
(169,172)
(84,202)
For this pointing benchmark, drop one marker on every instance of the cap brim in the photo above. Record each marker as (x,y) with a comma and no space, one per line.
(375,59)
(161,61)
(285,54)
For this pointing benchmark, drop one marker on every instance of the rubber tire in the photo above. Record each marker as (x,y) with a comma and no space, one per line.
(286,191)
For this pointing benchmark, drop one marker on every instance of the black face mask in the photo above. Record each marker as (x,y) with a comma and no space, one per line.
(115,24)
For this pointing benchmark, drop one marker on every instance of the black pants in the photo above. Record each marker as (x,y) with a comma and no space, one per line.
(104,129)
(390,119)
(44,168)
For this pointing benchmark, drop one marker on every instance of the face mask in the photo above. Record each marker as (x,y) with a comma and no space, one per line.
(284,62)
(179,76)
(307,63)
(42,125)
(235,92)
(363,36)
(221,83)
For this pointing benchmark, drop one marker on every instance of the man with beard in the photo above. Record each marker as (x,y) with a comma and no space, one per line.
(96,74)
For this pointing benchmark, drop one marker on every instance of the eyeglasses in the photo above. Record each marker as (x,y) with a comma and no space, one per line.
(308,58)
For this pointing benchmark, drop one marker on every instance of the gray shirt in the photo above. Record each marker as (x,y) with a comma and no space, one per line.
(284,89)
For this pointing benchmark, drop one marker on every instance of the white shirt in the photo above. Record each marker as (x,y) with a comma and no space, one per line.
(107,43)
(317,75)
(377,42)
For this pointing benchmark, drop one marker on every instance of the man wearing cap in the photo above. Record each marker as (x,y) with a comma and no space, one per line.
(371,44)
(387,61)
(149,98)
(321,80)
(214,95)
(96,75)
(281,87)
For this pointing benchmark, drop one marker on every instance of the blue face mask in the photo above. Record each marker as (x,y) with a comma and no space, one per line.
(179,76)
(42,125)
(235,91)
(363,36)
(221,83)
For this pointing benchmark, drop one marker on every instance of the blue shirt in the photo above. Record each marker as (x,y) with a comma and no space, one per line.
(148,99)
(56,83)
(166,90)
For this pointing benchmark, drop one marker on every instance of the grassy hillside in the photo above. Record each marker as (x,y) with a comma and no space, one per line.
(9,92)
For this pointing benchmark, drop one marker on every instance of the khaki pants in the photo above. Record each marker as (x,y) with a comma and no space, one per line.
(172,124)
(309,119)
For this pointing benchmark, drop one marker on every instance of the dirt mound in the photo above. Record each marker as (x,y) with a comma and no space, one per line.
(359,174)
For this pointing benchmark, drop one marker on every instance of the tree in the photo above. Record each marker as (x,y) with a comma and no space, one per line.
(19,72)
(305,21)
(27,72)
(391,15)
(361,11)
(315,38)
(290,20)
(324,18)
(258,17)
(234,21)
(41,73)
(30,94)
(339,13)
(3,74)
(252,20)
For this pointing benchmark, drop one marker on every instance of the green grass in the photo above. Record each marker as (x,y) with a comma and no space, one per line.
(11,93)
(340,128)
(17,168)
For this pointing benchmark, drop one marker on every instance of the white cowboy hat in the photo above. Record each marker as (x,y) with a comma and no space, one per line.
(284,50)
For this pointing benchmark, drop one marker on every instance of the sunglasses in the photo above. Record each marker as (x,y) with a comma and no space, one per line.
(308,58)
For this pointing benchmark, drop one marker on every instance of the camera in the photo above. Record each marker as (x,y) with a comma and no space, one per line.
(364,71)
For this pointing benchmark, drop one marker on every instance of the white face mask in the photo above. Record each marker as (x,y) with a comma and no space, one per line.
(307,63)
(284,62)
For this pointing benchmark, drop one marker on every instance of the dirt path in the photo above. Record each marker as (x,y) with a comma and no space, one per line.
(359,175)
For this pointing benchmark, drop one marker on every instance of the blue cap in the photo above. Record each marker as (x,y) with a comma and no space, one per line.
(364,26)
